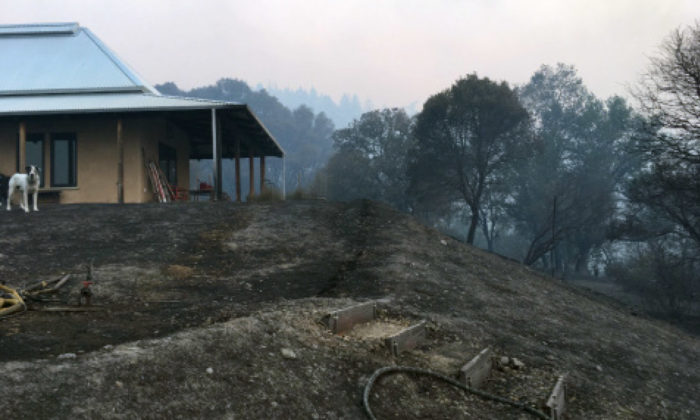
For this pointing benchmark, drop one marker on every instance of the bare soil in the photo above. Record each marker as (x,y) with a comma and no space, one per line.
(212,310)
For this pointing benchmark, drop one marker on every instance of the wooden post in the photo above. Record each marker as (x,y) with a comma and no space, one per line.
(120,163)
(262,174)
(251,165)
(216,154)
(22,152)
(238,170)
(284,179)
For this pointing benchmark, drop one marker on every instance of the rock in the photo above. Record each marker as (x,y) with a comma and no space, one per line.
(517,363)
(210,370)
(119,384)
(599,368)
(503,361)
(67,356)
(444,242)
(288,354)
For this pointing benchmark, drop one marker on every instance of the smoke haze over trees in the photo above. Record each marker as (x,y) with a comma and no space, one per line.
(549,174)
(342,113)
(304,135)
(545,172)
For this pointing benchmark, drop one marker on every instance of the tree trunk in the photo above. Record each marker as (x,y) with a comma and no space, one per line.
(472,226)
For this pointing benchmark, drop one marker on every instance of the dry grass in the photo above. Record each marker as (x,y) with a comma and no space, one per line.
(179,272)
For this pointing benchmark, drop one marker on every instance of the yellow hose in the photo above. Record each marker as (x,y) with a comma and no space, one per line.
(17,302)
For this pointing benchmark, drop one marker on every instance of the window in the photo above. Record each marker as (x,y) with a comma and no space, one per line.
(63,160)
(167,159)
(34,150)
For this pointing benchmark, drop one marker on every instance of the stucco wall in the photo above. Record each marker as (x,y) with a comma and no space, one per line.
(8,139)
(97,153)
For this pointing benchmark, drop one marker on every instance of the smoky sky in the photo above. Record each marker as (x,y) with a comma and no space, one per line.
(393,52)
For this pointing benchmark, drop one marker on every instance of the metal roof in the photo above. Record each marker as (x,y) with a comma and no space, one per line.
(60,57)
(62,68)
(99,102)
(39,28)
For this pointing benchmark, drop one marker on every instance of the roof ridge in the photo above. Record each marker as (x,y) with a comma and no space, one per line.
(18,29)
(121,65)
(192,98)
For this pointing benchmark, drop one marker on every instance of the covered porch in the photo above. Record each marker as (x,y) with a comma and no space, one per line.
(212,130)
(229,132)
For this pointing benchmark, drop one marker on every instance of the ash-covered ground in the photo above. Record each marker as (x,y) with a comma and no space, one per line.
(212,310)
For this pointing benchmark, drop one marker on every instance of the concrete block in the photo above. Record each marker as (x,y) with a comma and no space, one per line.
(477,370)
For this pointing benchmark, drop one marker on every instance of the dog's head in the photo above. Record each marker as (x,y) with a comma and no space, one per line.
(33,173)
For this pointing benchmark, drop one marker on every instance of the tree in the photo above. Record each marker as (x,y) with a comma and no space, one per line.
(663,208)
(370,161)
(466,136)
(564,195)
(670,95)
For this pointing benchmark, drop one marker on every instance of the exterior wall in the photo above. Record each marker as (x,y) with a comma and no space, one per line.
(8,147)
(97,154)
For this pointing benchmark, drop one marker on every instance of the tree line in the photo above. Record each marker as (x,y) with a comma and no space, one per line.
(548,173)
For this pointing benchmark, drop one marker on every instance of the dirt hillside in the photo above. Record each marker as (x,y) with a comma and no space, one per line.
(212,311)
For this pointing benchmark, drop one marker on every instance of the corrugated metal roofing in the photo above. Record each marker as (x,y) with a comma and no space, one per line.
(39,28)
(100,102)
(49,58)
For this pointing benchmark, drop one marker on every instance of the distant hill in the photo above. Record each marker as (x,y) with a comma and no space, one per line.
(342,113)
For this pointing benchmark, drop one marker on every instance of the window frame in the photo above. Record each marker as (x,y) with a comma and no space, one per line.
(72,159)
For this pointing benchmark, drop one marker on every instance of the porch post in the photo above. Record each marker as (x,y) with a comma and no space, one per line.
(262,174)
(284,179)
(22,152)
(216,154)
(251,166)
(238,169)
(120,163)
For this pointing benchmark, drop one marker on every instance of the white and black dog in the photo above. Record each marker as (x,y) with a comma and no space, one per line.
(27,183)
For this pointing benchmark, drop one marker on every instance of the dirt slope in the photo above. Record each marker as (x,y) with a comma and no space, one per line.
(211,310)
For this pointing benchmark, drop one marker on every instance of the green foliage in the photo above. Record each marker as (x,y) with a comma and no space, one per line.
(564,196)
(466,138)
(370,161)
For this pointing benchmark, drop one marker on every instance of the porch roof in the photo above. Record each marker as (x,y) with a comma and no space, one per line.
(194,115)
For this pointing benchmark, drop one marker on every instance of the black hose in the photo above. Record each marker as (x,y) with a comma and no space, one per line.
(426,372)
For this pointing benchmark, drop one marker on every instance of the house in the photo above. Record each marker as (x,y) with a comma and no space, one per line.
(70,106)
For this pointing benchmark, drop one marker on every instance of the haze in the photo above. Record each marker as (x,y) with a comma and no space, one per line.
(393,53)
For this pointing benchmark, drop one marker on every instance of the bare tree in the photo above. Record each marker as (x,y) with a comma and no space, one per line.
(669,93)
